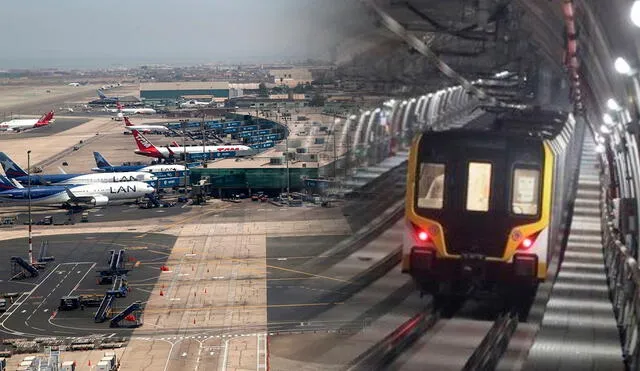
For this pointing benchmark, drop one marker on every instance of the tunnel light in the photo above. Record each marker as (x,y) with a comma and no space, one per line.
(613,105)
(367,113)
(336,121)
(377,110)
(604,129)
(635,13)
(622,66)
(353,117)
(413,100)
(600,148)
(502,74)
(607,119)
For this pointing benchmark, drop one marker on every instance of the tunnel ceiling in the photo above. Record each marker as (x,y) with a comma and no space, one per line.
(478,38)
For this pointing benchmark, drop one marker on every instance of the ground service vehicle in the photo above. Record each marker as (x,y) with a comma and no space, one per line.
(484,206)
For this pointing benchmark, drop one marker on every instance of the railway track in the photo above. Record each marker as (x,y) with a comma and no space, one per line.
(429,341)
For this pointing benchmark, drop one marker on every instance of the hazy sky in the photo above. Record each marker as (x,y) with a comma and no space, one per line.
(86,33)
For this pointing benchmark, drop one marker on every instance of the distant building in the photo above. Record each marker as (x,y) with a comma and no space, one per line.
(291,76)
(171,91)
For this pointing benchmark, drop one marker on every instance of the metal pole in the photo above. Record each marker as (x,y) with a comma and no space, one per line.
(184,152)
(204,154)
(287,161)
(29,204)
(335,155)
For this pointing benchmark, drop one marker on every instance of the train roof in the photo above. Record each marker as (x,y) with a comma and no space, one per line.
(529,122)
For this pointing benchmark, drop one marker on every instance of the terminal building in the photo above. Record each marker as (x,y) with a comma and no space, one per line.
(151,92)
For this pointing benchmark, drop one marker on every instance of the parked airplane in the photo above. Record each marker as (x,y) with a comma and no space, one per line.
(14,171)
(104,165)
(194,104)
(144,128)
(146,148)
(88,195)
(102,96)
(134,110)
(22,124)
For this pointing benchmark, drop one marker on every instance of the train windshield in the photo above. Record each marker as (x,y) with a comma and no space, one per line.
(478,186)
(431,186)
(526,191)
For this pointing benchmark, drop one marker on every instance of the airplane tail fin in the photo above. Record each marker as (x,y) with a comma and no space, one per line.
(144,145)
(101,162)
(6,184)
(10,168)
(45,119)
(101,94)
(118,106)
(126,121)
(174,144)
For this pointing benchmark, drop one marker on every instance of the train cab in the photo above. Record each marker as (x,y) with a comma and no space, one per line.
(478,210)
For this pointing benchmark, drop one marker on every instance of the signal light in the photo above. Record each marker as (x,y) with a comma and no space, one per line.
(527,243)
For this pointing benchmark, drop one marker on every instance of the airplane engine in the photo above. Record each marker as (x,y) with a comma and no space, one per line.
(99,200)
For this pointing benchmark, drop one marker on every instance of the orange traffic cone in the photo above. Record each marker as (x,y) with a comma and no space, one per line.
(207,270)
(194,294)
(205,290)
(162,286)
(161,293)
(192,268)
(89,363)
(194,321)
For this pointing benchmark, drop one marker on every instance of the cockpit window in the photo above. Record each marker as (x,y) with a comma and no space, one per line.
(431,186)
(478,186)
(526,191)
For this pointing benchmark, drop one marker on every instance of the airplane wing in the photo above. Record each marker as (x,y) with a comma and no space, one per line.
(77,199)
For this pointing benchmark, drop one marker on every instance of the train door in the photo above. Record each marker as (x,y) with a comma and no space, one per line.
(480,183)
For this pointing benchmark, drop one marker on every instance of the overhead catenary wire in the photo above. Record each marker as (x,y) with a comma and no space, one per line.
(422,48)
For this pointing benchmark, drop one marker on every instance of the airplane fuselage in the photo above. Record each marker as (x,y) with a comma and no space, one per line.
(111,177)
(57,195)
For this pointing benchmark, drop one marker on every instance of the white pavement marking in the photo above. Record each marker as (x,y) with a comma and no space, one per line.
(25,299)
(81,279)
(226,354)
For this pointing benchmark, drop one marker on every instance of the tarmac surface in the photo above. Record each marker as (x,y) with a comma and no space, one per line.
(110,213)
(60,125)
(74,272)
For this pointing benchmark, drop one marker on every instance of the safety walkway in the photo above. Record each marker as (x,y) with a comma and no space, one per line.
(578,330)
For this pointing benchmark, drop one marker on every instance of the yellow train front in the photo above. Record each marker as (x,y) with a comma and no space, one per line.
(479,209)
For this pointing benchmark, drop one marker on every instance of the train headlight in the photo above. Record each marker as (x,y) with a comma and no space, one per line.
(528,241)
(423,236)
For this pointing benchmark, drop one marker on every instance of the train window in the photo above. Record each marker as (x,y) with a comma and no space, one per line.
(526,194)
(479,186)
(431,186)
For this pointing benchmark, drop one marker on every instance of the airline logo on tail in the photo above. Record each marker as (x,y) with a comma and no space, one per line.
(127,122)
(144,146)
(45,119)
(12,169)
(119,106)
(5,183)
(100,160)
